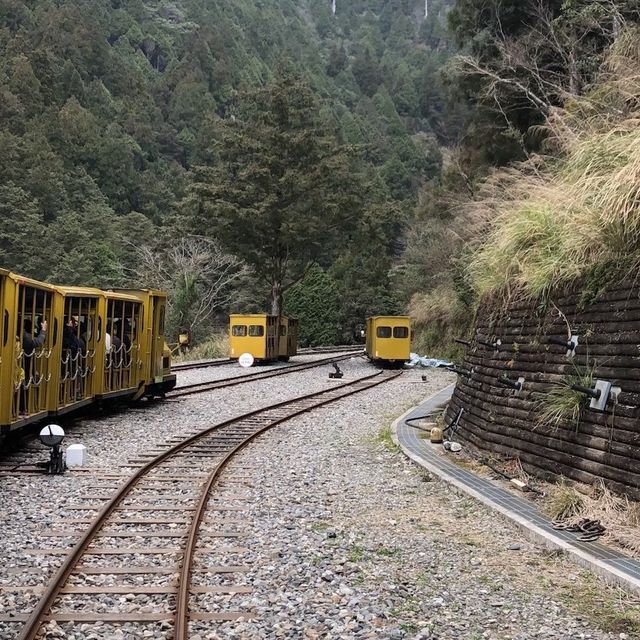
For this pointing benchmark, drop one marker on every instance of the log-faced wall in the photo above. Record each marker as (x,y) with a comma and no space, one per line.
(603,445)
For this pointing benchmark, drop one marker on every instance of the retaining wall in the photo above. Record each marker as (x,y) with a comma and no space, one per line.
(603,445)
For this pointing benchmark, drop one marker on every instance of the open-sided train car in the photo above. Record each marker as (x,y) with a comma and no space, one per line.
(388,339)
(62,348)
(29,334)
(154,351)
(264,336)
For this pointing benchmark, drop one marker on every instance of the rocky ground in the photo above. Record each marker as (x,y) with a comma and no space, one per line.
(343,536)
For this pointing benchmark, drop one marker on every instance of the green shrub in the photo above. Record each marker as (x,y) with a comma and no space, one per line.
(314,302)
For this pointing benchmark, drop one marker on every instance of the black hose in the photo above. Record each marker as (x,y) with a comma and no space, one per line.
(416,418)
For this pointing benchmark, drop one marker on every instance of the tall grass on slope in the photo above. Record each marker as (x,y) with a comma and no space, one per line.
(575,213)
(438,317)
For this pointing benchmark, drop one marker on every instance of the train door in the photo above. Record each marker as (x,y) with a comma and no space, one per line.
(292,338)
(34,331)
(81,328)
(122,346)
(158,308)
(283,341)
(272,338)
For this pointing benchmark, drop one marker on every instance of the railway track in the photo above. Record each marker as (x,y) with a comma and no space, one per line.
(205,364)
(27,465)
(218,362)
(201,387)
(165,502)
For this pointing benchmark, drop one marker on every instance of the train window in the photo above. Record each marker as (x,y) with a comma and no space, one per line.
(256,330)
(383,332)
(283,330)
(239,330)
(161,322)
(400,332)
(6,327)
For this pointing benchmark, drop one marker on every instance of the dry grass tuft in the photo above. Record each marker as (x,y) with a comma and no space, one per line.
(565,503)
(215,346)
(556,219)
(620,516)
(561,404)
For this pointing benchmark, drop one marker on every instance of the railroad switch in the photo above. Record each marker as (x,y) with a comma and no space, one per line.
(337,373)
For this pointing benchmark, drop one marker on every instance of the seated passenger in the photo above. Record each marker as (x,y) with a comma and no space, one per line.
(70,340)
(29,342)
(29,345)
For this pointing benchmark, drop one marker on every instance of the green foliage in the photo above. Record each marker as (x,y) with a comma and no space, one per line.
(561,404)
(109,111)
(577,216)
(281,190)
(314,302)
(21,227)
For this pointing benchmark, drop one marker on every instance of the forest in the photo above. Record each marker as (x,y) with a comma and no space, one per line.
(329,159)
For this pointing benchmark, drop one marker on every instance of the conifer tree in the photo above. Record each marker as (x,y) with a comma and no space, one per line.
(314,302)
(280,192)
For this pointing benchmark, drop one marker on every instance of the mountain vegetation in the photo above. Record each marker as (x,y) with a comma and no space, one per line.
(393,155)
(118,114)
(541,192)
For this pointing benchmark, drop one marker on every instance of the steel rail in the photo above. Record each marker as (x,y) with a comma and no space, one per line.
(218,362)
(181,630)
(187,366)
(38,616)
(211,385)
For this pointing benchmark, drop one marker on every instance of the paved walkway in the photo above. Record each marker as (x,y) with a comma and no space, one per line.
(611,565)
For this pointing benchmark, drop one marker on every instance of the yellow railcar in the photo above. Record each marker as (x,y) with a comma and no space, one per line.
(254,333)
(388,339)
(154,352)
(79,331)
(28,335)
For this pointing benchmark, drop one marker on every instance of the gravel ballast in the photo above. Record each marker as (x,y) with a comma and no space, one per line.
(344,537)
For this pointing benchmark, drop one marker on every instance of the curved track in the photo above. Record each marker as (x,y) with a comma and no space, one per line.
(201,387)
(218,362)
(213,448)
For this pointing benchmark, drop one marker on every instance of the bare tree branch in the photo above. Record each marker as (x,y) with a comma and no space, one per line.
(197,275)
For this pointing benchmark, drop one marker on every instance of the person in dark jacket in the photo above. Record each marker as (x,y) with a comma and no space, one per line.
(70,339)
(29,342)
(29,345)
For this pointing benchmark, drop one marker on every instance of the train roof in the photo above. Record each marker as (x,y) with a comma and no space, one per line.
(116,295)
(86,292)
(150,292)
(251,315)
(5,273)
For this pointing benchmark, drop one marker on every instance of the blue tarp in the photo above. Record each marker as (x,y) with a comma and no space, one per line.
(415,360)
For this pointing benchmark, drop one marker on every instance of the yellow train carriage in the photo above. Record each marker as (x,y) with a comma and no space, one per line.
(254,333)
(388,339)
(28,336)
(122,366)
(61,348)
(154,352)
(79,331)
